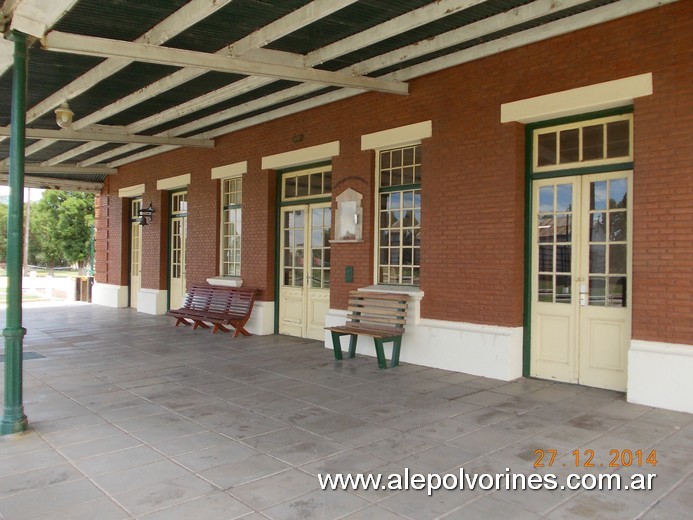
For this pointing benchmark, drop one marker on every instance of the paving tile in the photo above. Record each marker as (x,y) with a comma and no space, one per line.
(318,505)
(140,476)
(37,479)
(216,505)
(284,486)
(200,460)
(247,470)
(164,494)
(490,507)
(107,509)
(118,460)
(40,503)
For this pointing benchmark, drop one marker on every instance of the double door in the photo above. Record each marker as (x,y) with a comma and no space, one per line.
(177,251)
(304,277)
(581,287)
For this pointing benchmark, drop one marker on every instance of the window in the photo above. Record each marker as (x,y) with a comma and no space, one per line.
(587,143)
(311,183)
(231,202)
(399,219)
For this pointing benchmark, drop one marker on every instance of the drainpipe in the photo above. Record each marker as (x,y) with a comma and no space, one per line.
(13,418)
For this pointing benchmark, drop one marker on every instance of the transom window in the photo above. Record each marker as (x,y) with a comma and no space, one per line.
(595,142)
(399,224)
(179,203)
(231,202)
(315,182)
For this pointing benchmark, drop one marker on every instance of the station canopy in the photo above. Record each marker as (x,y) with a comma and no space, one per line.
(144,77)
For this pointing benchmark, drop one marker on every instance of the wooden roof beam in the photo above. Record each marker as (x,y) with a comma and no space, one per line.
(107,48)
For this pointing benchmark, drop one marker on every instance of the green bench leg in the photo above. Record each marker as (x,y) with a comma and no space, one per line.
(380,352)
(337,345)
(397,343)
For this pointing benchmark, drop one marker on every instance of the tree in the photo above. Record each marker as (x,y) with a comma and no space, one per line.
(61,228)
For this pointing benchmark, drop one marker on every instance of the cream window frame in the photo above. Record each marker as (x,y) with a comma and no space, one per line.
(326,168)
(580,163)
(237,207)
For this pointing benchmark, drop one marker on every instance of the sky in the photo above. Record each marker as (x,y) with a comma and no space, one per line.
(36,193)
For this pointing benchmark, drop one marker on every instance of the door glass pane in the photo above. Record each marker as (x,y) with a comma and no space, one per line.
(564,197)
(617,291)
(618,194)
(563,289)
(617,258)
(546,258)
(598,195)
(563,256)
(564,228)
(545,288)
(598,227)
(618,226)
(546,199)
(597,291)
(597,258)
(545,231)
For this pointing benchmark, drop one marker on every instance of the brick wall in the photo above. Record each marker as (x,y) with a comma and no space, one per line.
(473,178)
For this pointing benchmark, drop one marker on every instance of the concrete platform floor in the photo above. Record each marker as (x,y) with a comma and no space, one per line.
(131,417)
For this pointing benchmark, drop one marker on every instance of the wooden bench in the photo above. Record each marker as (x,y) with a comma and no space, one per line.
(220,306)
(380,315)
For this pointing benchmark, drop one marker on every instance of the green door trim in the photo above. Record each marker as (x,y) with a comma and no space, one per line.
(529,186)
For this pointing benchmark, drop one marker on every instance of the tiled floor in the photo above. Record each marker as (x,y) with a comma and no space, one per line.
(131,417)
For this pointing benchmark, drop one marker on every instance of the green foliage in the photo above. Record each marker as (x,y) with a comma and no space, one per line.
(61,228)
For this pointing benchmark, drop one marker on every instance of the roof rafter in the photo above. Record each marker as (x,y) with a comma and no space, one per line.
(291,22)
(549,30)
(107,48)
(515,16)
(56,183)
(110,137)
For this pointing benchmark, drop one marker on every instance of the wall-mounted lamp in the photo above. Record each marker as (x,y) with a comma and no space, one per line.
(146,215)
(63,115)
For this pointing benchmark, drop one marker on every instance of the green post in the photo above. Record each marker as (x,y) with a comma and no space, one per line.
(13,418)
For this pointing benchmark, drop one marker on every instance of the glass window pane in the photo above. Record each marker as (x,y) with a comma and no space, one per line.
(570,145)
(617,291)
(545,230)
(597,291)
(396,156)
(546,258)
(597,258)
(546,199)
(545,288)
(564,228)
(417,174)
(618,226)
(598,195)
(618,139)
(546,152)
(327,182)
(302,186)
(618,258)
(618,194)
(316,184)
(564,197)
(598,227)
(408,156)
(385,179)
(384,160)
(592,142)
(563,259)
(563,289)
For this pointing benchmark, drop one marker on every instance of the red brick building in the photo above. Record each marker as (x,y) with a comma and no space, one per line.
(533,195)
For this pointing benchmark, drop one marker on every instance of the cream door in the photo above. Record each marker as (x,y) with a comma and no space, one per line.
(581,287)
(304,290)
(135,252)
(179,225)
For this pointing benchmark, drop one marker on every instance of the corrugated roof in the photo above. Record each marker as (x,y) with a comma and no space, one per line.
(186,102)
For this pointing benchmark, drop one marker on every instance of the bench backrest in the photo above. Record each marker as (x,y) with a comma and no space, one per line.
(235,301)
(381,311)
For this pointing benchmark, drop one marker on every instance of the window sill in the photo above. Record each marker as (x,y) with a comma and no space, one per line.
(411,290)
(225,281)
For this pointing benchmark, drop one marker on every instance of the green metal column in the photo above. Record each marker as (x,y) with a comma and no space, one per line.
(13,418)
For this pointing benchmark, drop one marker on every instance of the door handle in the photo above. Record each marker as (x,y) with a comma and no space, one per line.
(583,295)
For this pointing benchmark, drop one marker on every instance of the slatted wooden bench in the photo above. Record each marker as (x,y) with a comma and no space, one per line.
(380,315)
(220,306)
